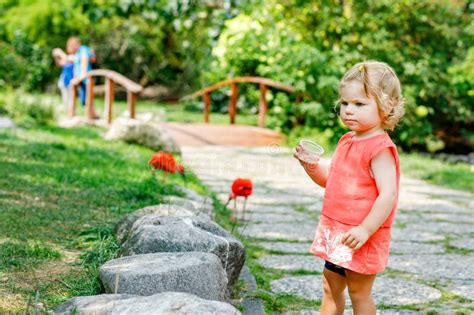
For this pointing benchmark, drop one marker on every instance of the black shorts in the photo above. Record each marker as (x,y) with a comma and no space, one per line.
(335,268)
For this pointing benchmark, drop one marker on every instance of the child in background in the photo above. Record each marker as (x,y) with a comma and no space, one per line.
(67,74)
(81,58)
(353,234)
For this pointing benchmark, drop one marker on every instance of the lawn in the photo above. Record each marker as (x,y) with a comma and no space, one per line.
(438,172)
(61,193)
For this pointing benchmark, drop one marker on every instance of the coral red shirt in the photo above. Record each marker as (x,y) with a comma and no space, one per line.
(350,188)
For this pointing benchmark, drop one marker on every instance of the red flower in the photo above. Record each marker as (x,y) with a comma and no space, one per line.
(180,168)
(241,187)
(163,161)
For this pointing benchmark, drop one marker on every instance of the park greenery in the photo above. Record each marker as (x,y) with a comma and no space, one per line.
(185,46)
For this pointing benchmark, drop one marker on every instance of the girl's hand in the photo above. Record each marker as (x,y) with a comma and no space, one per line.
(56,52)
(299,151)
(355,238)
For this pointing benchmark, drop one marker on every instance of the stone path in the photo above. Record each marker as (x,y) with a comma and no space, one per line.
(431,266)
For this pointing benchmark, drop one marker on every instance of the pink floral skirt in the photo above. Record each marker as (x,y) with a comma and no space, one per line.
(370,259)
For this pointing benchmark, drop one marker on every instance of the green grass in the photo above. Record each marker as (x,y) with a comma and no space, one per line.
(457,176)
(61,193)
(23,255)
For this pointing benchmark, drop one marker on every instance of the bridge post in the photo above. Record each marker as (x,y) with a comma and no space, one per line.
(72,100)
(262,106)
(207,106)
(264,83)
(234,95)
(90,98)
(109,98)
(131,100)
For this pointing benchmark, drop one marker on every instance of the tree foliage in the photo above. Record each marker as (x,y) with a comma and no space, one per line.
(151,41)
(310,44)
(186,45)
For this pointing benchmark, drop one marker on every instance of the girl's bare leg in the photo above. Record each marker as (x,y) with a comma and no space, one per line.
(333,297)
(360,291)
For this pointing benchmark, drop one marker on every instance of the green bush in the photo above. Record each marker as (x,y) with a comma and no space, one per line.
(27,109)
(167,43)
(33,29)
(307,44)
(310,44)
(13,67)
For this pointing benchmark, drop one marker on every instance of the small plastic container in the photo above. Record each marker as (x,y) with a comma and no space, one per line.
(311,151)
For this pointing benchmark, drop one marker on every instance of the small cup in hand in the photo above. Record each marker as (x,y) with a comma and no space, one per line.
(308,152)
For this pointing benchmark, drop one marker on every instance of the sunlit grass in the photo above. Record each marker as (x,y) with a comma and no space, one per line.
(457,176)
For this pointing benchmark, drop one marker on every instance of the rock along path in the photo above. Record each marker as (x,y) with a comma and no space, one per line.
(431,265)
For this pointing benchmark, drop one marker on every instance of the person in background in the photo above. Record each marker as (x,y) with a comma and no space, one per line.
(66,76)
(80,55)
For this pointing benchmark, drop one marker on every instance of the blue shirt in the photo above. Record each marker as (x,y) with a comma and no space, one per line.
(81,52)
(67,73)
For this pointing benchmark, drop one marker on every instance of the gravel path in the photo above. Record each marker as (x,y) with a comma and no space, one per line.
(431,266)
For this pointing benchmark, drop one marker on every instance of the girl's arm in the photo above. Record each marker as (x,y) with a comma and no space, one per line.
(84,64)
(317,172)
(384,171)
(60,57)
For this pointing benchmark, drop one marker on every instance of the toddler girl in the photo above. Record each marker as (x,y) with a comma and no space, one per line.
(353,235)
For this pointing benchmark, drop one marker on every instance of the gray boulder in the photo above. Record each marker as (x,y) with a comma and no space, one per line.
(124,225)
(176,303)
(155,234)
(205,205)
(145,133)
(191,272)
(95,304)
(6,122)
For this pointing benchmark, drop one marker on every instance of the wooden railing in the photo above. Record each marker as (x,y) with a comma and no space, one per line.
(262,107)
(111,77)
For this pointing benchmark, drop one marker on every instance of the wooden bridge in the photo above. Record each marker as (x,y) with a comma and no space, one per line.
(190,134)
(111,77)
(264,83)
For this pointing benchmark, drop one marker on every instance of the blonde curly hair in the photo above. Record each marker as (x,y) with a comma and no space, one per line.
(380,82)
